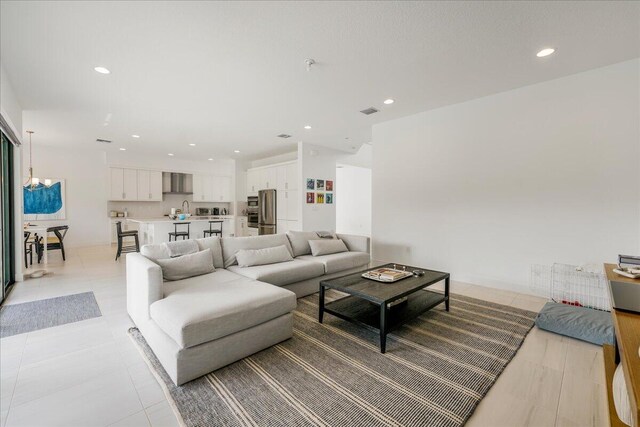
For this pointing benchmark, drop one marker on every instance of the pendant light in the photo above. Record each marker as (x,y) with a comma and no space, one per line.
(32,182)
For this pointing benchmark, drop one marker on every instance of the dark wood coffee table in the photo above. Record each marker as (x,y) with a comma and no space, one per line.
(368,303)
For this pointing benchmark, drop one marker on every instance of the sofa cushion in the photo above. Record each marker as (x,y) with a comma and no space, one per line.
(251,257)
(209,309)
(334,263)
(181,247)
(160,251)
(231,245)
(283,273)
(327,246)
(186,266)
(300,241)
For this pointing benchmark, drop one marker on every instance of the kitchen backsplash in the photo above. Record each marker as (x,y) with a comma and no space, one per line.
(159,209)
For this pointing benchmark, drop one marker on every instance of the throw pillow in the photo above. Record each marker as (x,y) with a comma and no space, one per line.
(250,257)
(187,265)
(300,241)
(327,246)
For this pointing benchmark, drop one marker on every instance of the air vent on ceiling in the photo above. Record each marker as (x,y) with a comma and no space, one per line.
(284,135)
(104,141)
(369,111)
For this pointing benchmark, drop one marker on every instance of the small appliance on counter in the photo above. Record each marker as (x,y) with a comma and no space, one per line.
(203,211)
(215,211)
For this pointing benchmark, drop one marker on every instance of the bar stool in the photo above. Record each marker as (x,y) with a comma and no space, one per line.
(185,234)
(211,231)
(121,235)
(28,248)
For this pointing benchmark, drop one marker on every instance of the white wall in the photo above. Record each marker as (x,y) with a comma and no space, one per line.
(542,174)
(318,163)
(85,175)
(353,200)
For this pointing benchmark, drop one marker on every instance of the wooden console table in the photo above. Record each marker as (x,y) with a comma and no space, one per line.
(625,351)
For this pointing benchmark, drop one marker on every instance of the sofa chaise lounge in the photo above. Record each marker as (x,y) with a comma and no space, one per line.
(198,324)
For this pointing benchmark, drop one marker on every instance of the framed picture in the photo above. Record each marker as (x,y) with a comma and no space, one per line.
(45,203)
(320,198)
(311,184)
(328,198)
(320,184)
(311,197)
(329,185)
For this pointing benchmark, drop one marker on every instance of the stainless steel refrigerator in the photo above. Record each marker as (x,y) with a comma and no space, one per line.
(267,212)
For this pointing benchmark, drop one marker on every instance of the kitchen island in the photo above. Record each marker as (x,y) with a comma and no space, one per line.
(156,230)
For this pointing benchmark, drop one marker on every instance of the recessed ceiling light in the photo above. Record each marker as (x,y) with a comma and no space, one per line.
(171,154)
(123,149)
(545,52)
(135,136)
(210,159)
(102,70)
(388,101)
(307,127)
(192,145)
(236,151)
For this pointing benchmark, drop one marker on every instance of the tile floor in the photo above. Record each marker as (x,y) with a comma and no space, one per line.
(90,374)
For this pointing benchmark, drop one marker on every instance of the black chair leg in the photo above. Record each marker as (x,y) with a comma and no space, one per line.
(119,247)
(31,256)
(62,249)
(137,244)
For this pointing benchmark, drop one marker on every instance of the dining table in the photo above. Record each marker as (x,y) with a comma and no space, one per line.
(41,231)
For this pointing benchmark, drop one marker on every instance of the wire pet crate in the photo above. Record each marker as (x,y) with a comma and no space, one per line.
(572,285)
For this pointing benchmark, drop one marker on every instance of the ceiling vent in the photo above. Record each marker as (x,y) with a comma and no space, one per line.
(369,111)
(284,135)
(104,141)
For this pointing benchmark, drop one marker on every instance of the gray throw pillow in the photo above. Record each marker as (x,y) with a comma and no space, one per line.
(187,265)
(327,246)
(300,241)
(250,257)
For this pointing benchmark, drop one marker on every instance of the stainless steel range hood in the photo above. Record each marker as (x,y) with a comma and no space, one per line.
(177,183)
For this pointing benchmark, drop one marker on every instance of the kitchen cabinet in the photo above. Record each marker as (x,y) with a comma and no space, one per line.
(241,226)
(281,177)
(123,184)
(149,185)
(252,182)
(208,188)
(292,176)
(251,231)
(221,189)
(285,225)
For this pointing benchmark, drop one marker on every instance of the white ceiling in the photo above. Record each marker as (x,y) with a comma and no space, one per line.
(231,75)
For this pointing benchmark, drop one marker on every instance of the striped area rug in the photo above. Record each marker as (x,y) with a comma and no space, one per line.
(435,372)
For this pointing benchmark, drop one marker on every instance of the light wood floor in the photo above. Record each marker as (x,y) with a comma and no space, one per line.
(90,374)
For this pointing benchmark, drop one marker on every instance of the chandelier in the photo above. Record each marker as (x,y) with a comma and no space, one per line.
(32,182)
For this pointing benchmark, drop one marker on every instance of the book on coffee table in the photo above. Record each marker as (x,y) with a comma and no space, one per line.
(386,274)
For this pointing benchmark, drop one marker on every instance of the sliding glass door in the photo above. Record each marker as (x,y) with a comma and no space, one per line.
(6,216)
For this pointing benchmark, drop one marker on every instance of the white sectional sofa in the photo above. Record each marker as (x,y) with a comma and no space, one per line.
(198,324)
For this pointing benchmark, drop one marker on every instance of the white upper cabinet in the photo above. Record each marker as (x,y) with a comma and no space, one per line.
(293,204)
(198,188)
(292,178)
(208,188)
(269,178)
(144,189)
(155,186)
(116,184)
(253,182)
(123,184)
(282,177)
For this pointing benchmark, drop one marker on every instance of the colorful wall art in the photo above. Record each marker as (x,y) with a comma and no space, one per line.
(311,184)
(311,197)
(319,191)
(45,203)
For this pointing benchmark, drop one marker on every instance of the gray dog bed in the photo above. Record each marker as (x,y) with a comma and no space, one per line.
(585,324)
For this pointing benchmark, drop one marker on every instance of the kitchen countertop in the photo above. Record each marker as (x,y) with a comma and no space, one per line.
(190,219)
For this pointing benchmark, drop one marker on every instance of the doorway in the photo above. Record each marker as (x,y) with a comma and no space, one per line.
(353,200)
(6,217)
